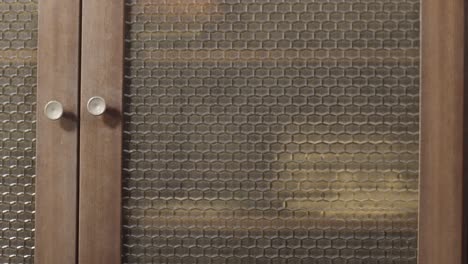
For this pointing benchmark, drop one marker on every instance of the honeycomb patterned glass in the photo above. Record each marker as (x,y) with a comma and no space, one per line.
(271,131)
(18,42)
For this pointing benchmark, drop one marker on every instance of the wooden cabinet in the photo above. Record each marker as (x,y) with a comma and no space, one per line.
(250,131)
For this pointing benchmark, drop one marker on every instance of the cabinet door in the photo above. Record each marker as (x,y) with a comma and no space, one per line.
(271,131)
(38,169)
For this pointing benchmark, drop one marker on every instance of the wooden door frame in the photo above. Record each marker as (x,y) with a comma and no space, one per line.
(57,141)
(441,159)
(102,73)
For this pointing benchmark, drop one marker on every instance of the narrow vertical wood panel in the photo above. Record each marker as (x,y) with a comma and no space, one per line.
(440,233)
(101,136)
(57,141)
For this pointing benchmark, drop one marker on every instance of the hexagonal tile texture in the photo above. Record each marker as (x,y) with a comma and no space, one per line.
(18,37)
(271,131)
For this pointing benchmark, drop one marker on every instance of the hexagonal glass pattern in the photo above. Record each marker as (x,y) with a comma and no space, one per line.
(18,42)
(271,131)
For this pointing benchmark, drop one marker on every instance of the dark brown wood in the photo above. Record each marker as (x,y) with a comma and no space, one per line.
(465,149)
(441,198)
(101,136)
(57,141)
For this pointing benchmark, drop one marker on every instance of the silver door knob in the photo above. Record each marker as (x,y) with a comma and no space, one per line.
(96,105)
(53,110)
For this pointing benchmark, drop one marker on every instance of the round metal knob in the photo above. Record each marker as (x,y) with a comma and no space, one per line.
(96,105)
(53,110)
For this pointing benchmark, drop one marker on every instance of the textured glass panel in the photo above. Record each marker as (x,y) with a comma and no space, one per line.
(18,35)
(271,131)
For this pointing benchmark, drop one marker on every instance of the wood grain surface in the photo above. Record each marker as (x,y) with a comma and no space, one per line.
(441,181)
(57,141)
(101,136)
